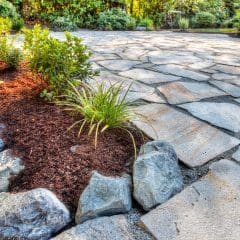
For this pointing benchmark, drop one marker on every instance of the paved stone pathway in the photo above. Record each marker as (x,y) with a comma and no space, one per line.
(194,79)
(208,209)
(188,88)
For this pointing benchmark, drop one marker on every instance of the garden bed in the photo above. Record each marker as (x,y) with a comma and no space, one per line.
(37,132)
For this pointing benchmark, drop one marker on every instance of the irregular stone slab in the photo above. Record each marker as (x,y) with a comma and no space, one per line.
(33,215)
(181,92)
(9,166)
(109,78)
(156,175)
(237,100)
(148,77)
(104,228)
(104,196)
(236,155)
(194,141)
(102,57)
(227,69)
(118,65)
(223,76)
(224,115)
(172,58)
(201,65)
(149,97)
(2,129)
(228,88)
(208,209)
(181,72)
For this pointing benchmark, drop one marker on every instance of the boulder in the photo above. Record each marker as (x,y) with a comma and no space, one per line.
(103,228)
(2,144)
(104,196)
(32,215)
(9,166)
(156,175)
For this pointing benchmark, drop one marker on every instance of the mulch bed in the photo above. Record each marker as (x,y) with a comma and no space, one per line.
(37,132)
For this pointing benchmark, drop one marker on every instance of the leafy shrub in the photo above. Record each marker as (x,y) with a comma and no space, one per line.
(63,24)
(8,10)
(115,19)
(60,62)
(10,55)
(102,108)
(17,23)
(159,20)
(148,23)
(236,22)
(5,25)
(204,20)
(183,24)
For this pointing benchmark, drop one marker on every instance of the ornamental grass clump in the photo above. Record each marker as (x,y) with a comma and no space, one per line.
(183,24)
(101,107)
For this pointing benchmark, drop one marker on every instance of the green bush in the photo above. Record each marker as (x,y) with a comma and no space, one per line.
(236,22)
(101,107)
(10,55)
(5,25)
(204,20)
(63,24)
(8,10)
(148,23)
(17,24)
(60,62)
(115,19)
(183,24)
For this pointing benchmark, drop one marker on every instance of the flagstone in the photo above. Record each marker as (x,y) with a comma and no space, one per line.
(223,76)
(181,92)
(181,72)
(118,65)
(148,77)
(195,142)
(223,115)
(228,88)
(236,155)
(227,69)
(208,209)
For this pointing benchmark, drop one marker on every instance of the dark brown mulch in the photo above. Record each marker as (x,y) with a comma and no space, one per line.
(37,131)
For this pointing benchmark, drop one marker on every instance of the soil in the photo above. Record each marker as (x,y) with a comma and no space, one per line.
(37,132)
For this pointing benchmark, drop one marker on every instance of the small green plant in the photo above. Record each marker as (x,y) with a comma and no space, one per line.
(5,25)
(60,62)
(63,24)
(115,19)
(204,20)
(9,54)
(183,24)
(102,107)
(8,10)
(148,23)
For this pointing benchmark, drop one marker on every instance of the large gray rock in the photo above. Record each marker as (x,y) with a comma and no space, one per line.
(104,196)
(32,215)
(104,228)
(9,166)
(2,144)
(156,174)
(209,209)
